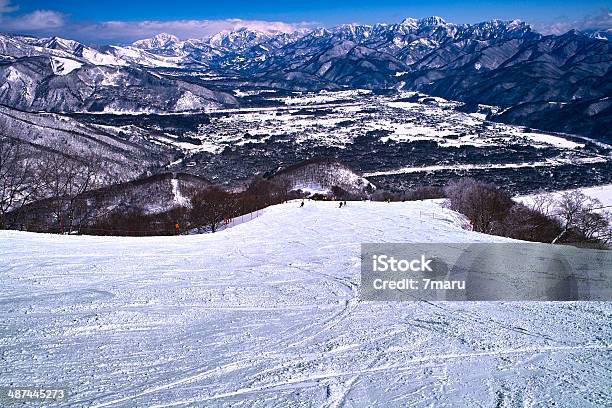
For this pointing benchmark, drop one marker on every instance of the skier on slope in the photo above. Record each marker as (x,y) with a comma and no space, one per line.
(301,205)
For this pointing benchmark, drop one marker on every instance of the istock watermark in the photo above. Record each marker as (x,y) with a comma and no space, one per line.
(497,272)
(384,263)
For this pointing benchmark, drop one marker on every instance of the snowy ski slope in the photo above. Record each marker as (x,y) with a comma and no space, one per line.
(267,314)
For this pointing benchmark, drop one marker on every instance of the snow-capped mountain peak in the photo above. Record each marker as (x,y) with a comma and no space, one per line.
(162,40)
(432,21)
(602,34)
(239,39)
(352,32)
(59,43)
(410,22)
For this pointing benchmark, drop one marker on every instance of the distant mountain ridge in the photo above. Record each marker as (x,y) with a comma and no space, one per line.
(495,62)
(58,75)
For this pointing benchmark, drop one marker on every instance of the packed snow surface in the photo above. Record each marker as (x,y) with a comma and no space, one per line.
(267,313)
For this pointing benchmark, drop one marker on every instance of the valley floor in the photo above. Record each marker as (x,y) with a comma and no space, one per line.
(267,313)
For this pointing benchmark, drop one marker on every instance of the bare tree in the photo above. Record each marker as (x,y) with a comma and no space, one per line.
(65,180)
(522,222)
(284,186)
(569,207)
(211,206)
(595,226)
(264,192)
(543,203)
(484,204)
(18,181)
(582,215)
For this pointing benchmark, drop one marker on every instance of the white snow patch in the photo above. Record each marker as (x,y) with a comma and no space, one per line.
(111,78)
(323,96)
(545,163)
(556,141)
(13,75)
(98,58)
(189,101)
(601,193)
(179,198)
(64,66)
(311,189)
(144,58)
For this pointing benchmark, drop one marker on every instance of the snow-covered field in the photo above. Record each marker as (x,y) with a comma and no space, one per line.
(601,193)
(267,313)
(345,115)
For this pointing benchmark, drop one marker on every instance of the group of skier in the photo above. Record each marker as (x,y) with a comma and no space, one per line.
(342,204)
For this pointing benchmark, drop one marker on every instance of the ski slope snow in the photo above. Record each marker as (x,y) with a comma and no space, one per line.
(267,313)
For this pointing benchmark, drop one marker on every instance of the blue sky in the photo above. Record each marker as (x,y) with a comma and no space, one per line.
(132,19)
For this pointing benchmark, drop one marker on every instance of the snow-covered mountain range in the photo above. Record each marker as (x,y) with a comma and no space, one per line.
(502,63)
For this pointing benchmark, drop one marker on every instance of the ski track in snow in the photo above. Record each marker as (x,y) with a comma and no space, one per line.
(267,313)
